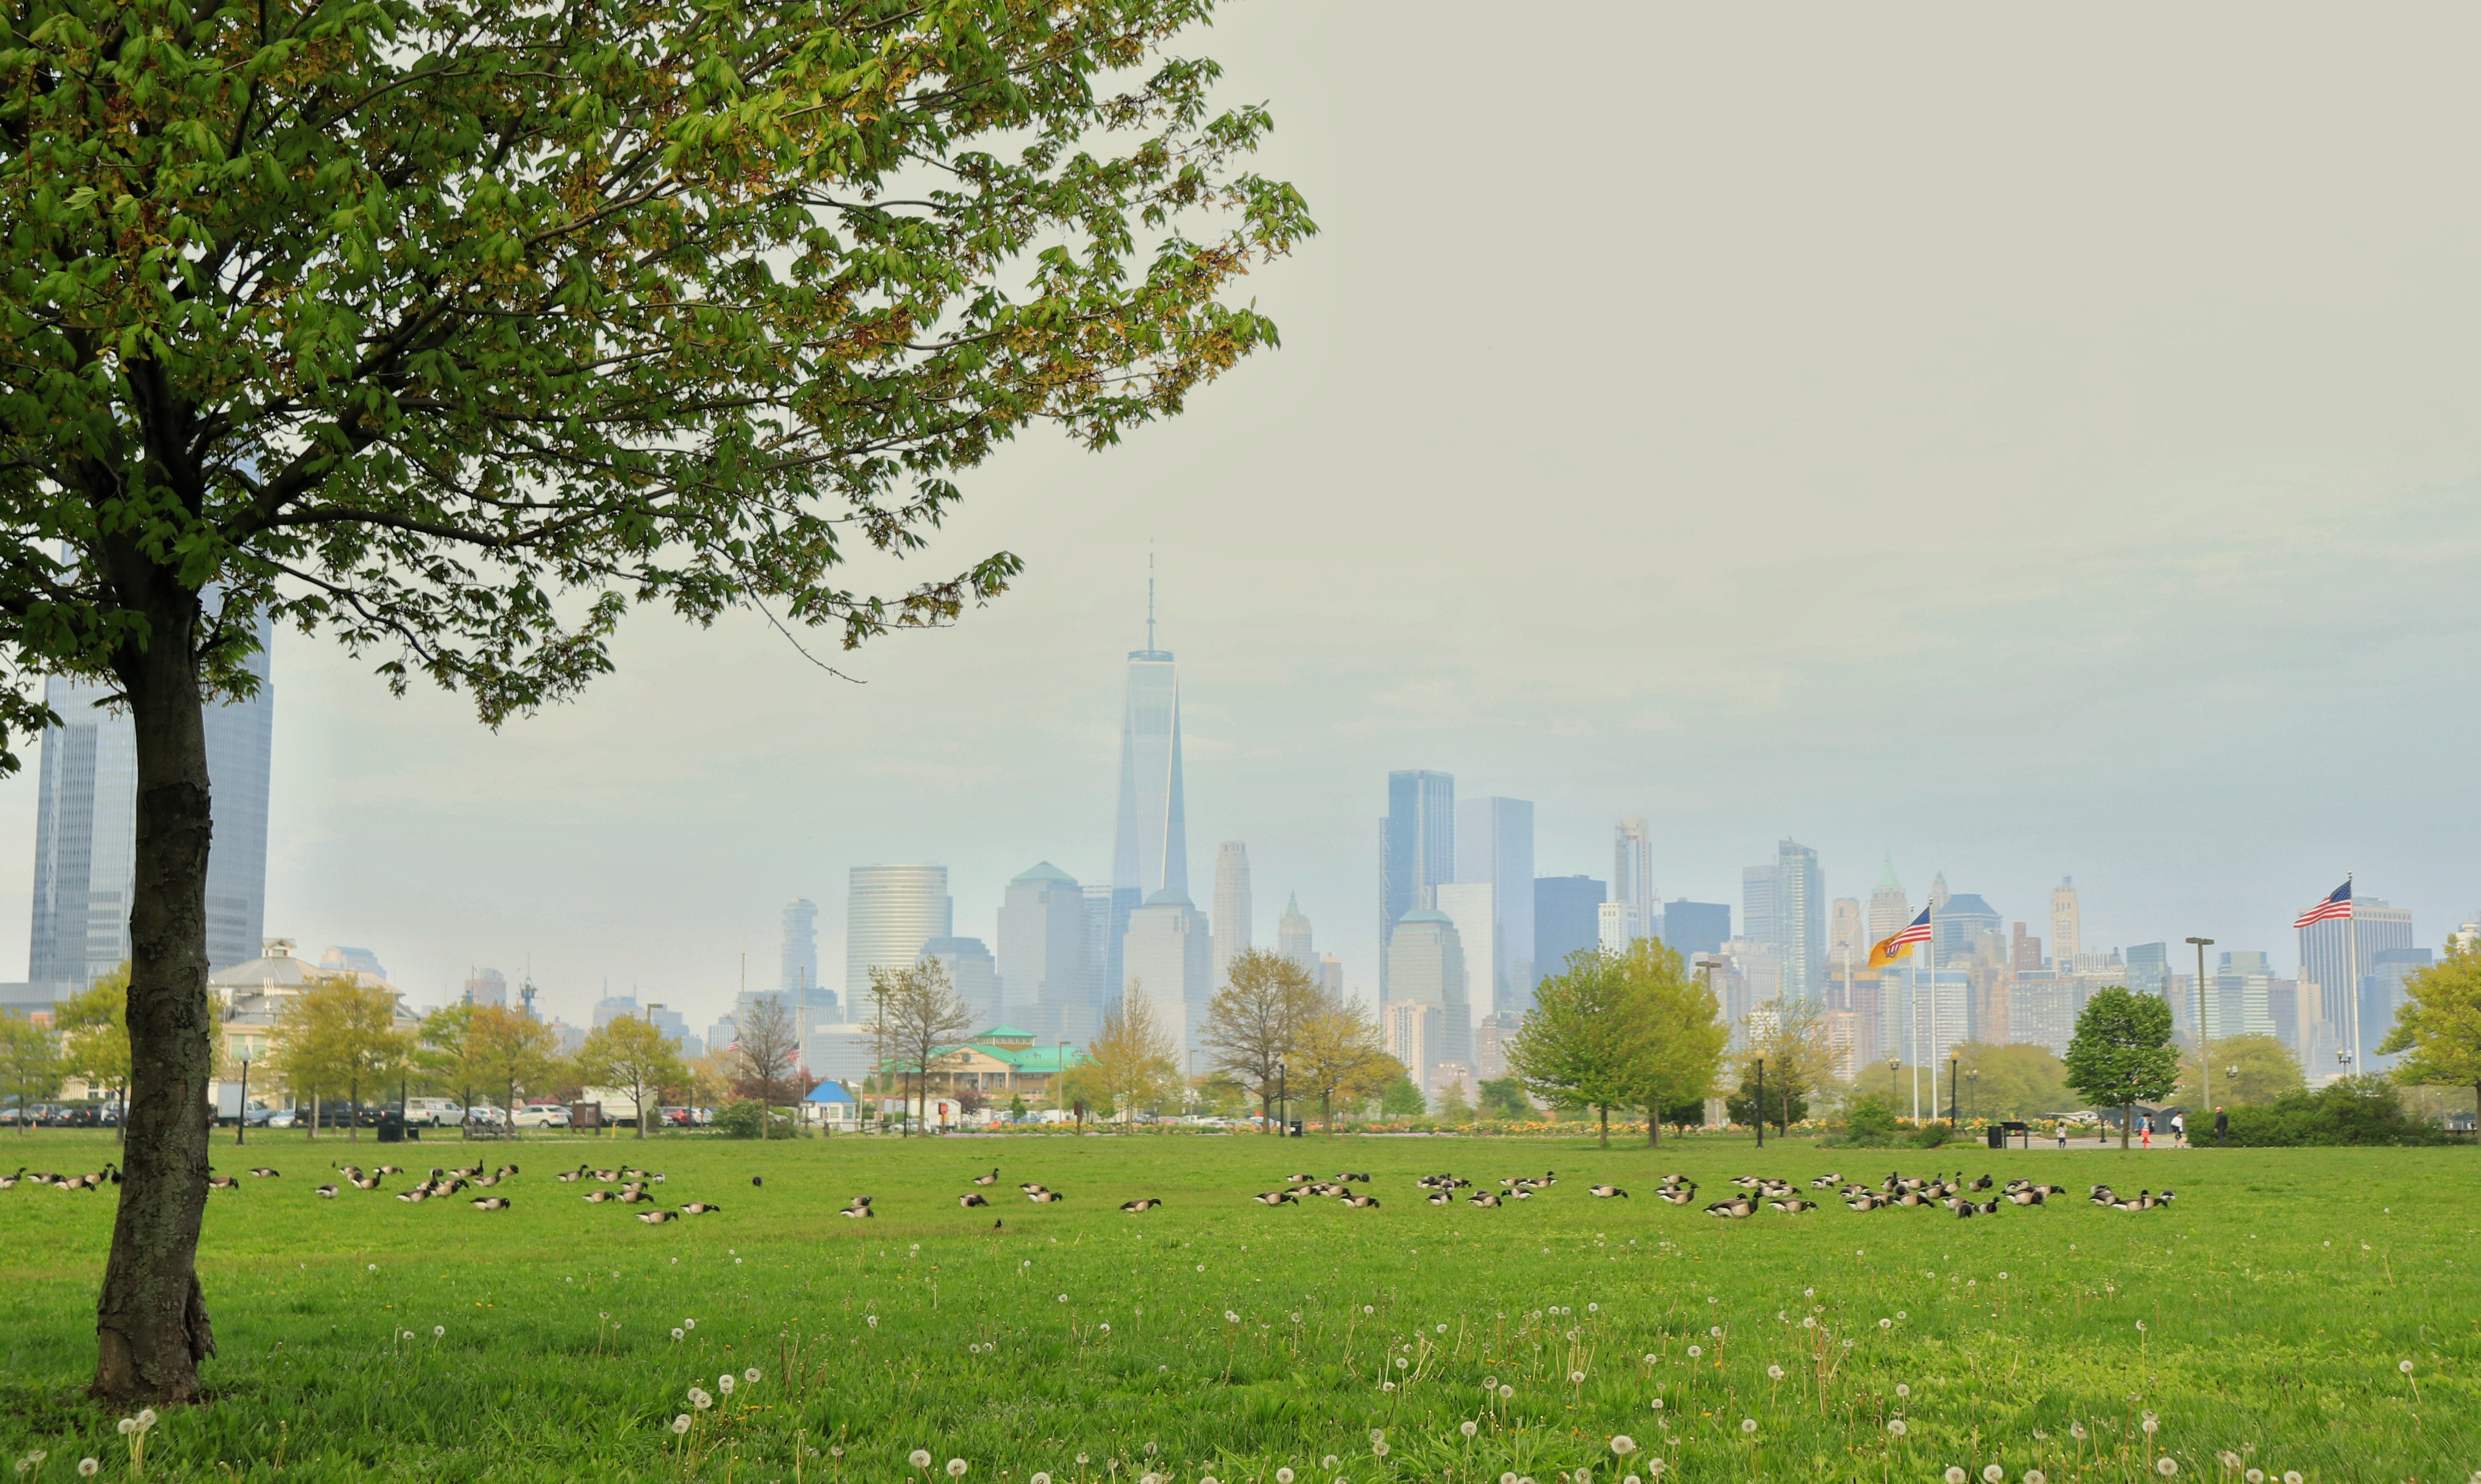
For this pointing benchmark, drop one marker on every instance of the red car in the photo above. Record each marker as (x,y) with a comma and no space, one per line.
(676,1118)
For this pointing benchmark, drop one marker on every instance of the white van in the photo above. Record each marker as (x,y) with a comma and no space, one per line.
(433,1112)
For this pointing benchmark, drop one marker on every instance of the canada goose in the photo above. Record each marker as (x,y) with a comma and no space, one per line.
(1791,1206)
(991,1179)
(1965,1209)
(1439,1198)
(701,1209)
(658,1217)
(1826,1181)
(262,1172)
(1141,1204)
(859,1200)
(857,1212)
(487,1181)
(360,1183)
(1863,1202)
(491,1202)
(2026,1197)
(389,1169)
(1606,1192)
(1677,1195)
(1733,1209)
(607,1177)
(758,1179)
(1361,1202)
(327,1192)
(1983,1184)
(570,1177)
(1032,1186)
(9,1182)
(1481,1198)
(1520,1193)
(599,1197)
(415,1196)
(1046,1197)
(1348,1179)
(220,1182)
(1276,1198)
(1747,1181)
(970,1199)
(1298,1178)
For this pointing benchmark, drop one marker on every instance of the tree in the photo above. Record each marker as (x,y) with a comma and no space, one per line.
(93,1026)
(916,1015)
(769,1050)
(1628,1031)
(1504,1097)
(2440,1022)
(1790,1036)
(510,1049)
(2014,1081)
(1134,1059)
(439,1052)
(30,1065)
(2122,1052)
(340,1033)
(2268,1070)
(1454,1107)
(1252,1019)
(631,1055)
(1338,1055)
(1402,1098)
(630,302)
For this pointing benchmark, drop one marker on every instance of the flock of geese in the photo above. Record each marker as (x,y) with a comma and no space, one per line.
(109,1175)
(1897,1189)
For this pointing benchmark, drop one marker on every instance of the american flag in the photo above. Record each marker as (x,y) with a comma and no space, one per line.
(1896,947)
(2338,904)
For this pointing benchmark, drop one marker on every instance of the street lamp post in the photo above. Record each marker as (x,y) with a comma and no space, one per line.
(241,1116)
(1895,1064)
(1974,1076)
(2205,1047)
(1953,1061)
(1761,1102)
(1283,1098)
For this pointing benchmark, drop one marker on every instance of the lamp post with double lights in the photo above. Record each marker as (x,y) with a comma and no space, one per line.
(2205,1047)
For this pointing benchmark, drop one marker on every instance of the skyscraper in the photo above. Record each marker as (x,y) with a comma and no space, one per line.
(1800,920)
(2373,928)
(1567,919)
(1106,920)
(1169,958)
(1846,951)
(1959,922)
(1632,875)
(1495,844)
(1694,927)
(1044,980)
(1151,853)
(1473,906)
(2067,939)
(1292,936)
(974,973)
(1889,911)
(1232,906)
(1426,961)
(891,912)
(1759,922)
(86,831)
(799,975)
(1417,849)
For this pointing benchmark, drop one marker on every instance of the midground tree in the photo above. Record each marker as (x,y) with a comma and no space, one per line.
(455,327)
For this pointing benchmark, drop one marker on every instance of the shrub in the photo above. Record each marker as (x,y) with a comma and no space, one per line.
(1930,1135)
(1868,1123)
(741,1118)
(2353,1110)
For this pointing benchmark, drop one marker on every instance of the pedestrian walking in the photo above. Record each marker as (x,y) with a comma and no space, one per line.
(2145,1128)
(2063,1133)
(2222,1128)
(2179,1131)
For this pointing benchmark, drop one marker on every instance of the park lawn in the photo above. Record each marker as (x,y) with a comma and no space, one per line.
(2265,1313)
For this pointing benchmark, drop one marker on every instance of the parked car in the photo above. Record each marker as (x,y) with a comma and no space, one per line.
(433,1112)
(541,1116)
(282,1118)
(483,1115)
(676,1118)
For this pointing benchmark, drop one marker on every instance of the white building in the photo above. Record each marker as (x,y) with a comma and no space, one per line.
(1495,844)
(1169,957)
(1044,975)
(1233,908)
(1473,907)
(892,911)
(1425,965)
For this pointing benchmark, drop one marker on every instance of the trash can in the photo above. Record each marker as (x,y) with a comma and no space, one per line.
(1997,1135)
(391,1125)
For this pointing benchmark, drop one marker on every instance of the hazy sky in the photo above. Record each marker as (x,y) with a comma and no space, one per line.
(2032,442)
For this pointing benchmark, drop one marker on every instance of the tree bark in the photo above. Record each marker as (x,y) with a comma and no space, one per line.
(1607,1124)
(2127,1112)
(151,1325)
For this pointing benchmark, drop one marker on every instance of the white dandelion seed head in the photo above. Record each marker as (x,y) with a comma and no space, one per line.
(2140,1326)
(1809,1322)
(1903,1388)
(1387,1386)
(919,1458)
(1886,1324)
(1715,1330)
(1327,1462)
(2151,1426)
(1506,1391)
(680,1425)
(2230,1459)
(724,1383)
(700,1399)
(2404,1365)
(676,1333)
(1287,1479)
(1063,1298)
(689,1324)
(439,1330)
(1104,1328)
(2036,1477)
(1379,1448)
(1623,1445)
(1954,1475)
(2291,1476)
(2077,1430)
(1490,1383)
(1365,1309)
(1469,1427)
(750,1375)
(1443,1329)
(1895,1427)
(2257,1475)
(1039,1477)
(1283,1476)
(1575,1378)
(87,1468)
(1748,1424)
(956,1468)
(1774,1372)
(1657,1404)
(128,1425)
(2166,1466)
(1229,1316)
(1402,1363)
(1993,1474)
(1901,1316)
(1694,1351)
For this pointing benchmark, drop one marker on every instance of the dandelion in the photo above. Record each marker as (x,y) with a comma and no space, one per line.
(1402,1363)
(1379,1448)
(1327,1462)
(1365,1309)
(1506,1391)
(2230,1459)
(1886,1324)
(2036,1477)
(439,1331)
(956,1468)
(2140,1326)
(128,1425)
(1695,1351)
(1954,1475)
(1900,1317)
(1715,1330)
(1490,1383)
(1895,1427)
(1748,1424)
(1443,1329)
(1623,1445)
(1575,1378)
(1104,1328)
(689,1324)
(1231,1318)
(87,1467)
(2077,1430)
(1809,1322)
(2151,1425)
(873,1321)
(676,1333)
(750,1375)
(1080,1463)
(1469,1427)
(1993,1473)
(700,1399)
(2166,1466)
(2255,1476)
(680,1425)
(1903,1388)
(1774,1372)
(724,1383)
(919,1458)
(2291,1476)
(1039,1477)
(1281,1476)
(1063,1298)
(1657,1404)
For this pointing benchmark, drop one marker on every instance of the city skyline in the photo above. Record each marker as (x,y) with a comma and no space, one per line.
(2063,553)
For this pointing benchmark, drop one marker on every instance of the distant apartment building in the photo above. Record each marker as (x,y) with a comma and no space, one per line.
(1495,846)
(486,986)
(1694,927)
(1417,849)
(1632,875)
(1233,907)
(1617,926)
(1491,1040)
(2042,1011)
(1414,1033)
(891,912)
(2025,953)
(974,973)
(1045,979)
(1567,919)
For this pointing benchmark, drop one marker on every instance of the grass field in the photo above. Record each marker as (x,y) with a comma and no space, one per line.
(2266,1313)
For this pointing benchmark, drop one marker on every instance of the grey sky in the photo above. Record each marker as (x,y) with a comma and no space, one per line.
(2036,442)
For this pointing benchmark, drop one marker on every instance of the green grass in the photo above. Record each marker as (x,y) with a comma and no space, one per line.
(2276,1298)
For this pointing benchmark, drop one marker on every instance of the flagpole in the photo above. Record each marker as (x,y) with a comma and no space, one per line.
(2352,959)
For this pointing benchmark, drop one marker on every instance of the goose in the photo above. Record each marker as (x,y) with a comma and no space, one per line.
(9,1182)
(1733,1209)
(214,1183)
(758,1179)
(1141,1204)
(859,1200)
(1276,1198)
(1864,1202)
(1748,1181)
(1677,1195)
(570,1177)
(607,1177)
(1481,1198)
(1791,1206)
(858,1213)
(1349,1179)
(972,1199)
(415,1196)
(487,1181)
(491,1202)
(1549,1178)
(1826,1181)
(599,1197)
(1361,1202)
(1298,1178)
(701,1209)
(991,1179)
(1983,1184)
(2026,1197)
(359,1183)
(1606,1192)
(389,1169)
(1439,1198)
(658,1217)
(325,1192)
(1046,1197)
(1033,1186)
(505,1170)
(1965,1209)
(262,1172)
(1520,1193)
(1910,1198)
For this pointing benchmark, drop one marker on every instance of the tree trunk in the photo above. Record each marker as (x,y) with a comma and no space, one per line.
(1607,1124)
(314,1115)
(353,1111)
(151,1326)
(1652,1127)
(2126,1117)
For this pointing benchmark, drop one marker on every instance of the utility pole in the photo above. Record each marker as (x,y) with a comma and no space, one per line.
(2204,1049)
(1761,1102)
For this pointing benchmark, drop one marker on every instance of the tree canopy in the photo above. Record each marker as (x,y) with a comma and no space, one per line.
(1252,1019)
(2440,1022)
(1625,1031)
(631,1055)
(2267,1069)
